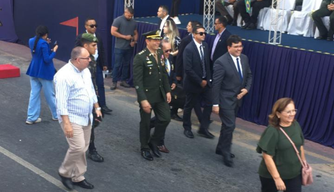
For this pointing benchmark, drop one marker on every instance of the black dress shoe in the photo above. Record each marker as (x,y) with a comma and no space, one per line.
(251,26)
(106,109)
(94,156)
(205,133)
(245,26)
(67,182)
(218,152)
(228,161)
(320,38)
(154,149)
(84,184)
(188,134)
(146,155)
(176,117)
(234,22)
(329,38)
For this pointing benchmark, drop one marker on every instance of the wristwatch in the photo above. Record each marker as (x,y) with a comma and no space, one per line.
(99,108)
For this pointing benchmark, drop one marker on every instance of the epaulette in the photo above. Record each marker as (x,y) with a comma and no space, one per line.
(143,51)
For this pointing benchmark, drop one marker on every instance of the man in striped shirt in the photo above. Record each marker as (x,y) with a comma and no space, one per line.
(75,99)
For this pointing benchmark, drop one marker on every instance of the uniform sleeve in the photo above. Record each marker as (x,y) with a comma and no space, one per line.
(268,141)
(138,73)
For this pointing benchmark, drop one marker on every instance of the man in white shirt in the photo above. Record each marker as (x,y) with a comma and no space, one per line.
(164,16)
(75,99)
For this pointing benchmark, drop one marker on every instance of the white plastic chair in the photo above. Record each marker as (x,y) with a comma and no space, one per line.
(301,22)
(283,14)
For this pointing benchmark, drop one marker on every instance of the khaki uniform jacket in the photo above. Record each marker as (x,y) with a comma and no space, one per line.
(150,77)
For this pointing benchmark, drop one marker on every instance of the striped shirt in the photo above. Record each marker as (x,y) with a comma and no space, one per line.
(75,94)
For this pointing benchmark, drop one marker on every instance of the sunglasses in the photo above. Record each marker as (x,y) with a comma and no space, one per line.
(92,26)
(168,50)
(201,33)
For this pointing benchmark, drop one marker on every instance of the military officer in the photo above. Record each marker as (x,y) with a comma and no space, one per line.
(153,93)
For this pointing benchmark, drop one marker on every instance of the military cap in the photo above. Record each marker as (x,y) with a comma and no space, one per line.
(89,37)
(152,34)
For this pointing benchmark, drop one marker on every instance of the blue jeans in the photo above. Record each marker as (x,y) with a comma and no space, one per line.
(34,107)
(100,86)
(122,63)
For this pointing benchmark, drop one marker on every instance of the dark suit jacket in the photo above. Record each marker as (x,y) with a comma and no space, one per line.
(162,30)
(226,83)
(221,47)
(150,77)
(179,58)
(172,75)
(193,71)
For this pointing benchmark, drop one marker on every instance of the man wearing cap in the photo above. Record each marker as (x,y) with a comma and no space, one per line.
(89,42)
(99,56)
(124,29)
(153,92)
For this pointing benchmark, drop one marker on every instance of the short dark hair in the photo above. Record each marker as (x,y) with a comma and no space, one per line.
(89,18)
(194,24)
(222,20)
(130,9)
(164,8)
(233,39)
(197,27)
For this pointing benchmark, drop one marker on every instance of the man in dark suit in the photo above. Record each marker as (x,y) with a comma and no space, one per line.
(153,92)
(251,20)
(326,9)
(197,82)
(232,79)
(164,16)
(219,47)
(90,26)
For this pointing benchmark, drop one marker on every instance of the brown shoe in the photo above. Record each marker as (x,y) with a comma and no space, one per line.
(163,148)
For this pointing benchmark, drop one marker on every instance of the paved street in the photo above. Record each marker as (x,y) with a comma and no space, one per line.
(30,155)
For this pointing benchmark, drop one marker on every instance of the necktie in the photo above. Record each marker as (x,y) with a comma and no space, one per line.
(239,70)
(203,62)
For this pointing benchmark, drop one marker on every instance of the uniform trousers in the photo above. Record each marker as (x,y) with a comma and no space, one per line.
(256,8)
(292,185)
(75,165)
(162,112)
(100,86)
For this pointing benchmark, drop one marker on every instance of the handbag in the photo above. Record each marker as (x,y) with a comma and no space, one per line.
(307,177)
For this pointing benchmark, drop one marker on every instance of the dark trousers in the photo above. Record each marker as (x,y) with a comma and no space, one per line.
(175,8)
(193,100)
(292,185)
(256,7)
(100,86)
(223,12)
(122,63)
(92,147)
(317,15)
(162,113)
(227,117)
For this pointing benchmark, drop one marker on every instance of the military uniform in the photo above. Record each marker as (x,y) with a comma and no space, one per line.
(152,84)
(317,17)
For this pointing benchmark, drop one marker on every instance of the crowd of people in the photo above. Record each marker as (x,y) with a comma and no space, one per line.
(169,74)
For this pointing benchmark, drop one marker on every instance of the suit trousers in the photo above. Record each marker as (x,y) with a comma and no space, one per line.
(194,100)
(292,185)
(227,117)
(317,15)
(100,86)
(75,165)
(256,8)
(162,113)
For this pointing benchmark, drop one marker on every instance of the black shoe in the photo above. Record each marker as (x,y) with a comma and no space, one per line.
(124,84)
(67,182)
(176,117)
(218,152)
(228,161)
(84,184)
(245,26)
(188,134)
(105,109)
(329,38)
(205,133)
(321,38)
(94,156)
(154,149)
(234,22)
(146,155)
(251,26)
(113,85)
